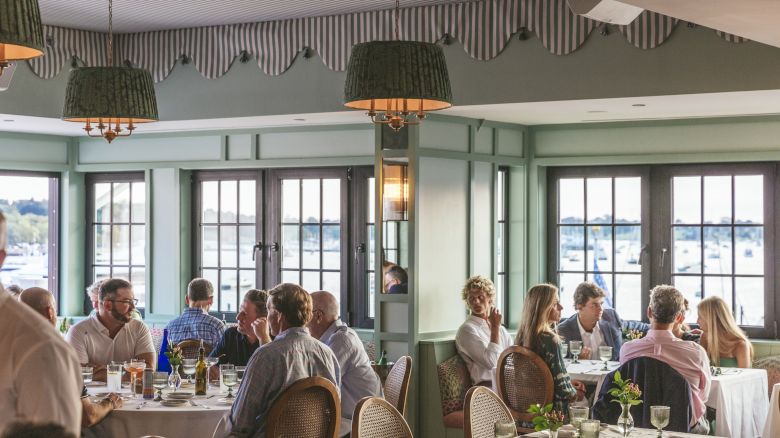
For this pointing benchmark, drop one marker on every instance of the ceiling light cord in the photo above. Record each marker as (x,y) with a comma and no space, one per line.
(110,33)
(397,19)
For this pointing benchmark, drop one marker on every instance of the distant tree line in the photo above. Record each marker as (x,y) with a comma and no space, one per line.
(28,221)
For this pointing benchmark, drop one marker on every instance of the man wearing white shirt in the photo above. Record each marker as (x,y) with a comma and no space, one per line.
(41,377)
(594,325)
(481,338)
(112,335)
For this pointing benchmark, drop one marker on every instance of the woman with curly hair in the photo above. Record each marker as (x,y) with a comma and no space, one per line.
(726,344)
(481,338)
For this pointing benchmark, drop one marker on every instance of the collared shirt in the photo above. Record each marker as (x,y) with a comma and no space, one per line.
(41,376)
(235,347)
(292,356)
(358,379)
(91,340)
(474,346)
(195,323)
(686,357)
(592,340)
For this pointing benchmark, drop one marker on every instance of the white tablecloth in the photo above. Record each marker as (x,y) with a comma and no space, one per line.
(772,427)
(154,419)
(612,432)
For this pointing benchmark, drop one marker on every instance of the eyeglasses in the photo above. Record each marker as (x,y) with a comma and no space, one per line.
(129,302)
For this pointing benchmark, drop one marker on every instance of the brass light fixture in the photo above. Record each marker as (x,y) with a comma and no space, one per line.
(114,99)
(397,82)
(395,205)
(21,32)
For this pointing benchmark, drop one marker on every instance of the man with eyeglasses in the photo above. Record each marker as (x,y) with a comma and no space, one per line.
(112,335)
(592,324)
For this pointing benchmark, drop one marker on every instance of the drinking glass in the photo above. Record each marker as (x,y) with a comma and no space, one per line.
(210,362)
(222,368)
(578,414)
(605,354)
(659,417)
(505,429)
(159,381)
(576,348)
(114,377)
(240,373)
(86,374)
(230,379)
(590,429)
(564,349)
(188,367)
(134,367)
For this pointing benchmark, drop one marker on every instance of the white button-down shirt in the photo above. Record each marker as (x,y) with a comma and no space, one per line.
(93,345)
(40,375)
(474,346)
(592,340)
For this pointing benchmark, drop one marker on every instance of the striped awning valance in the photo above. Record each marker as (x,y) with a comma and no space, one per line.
(482,27)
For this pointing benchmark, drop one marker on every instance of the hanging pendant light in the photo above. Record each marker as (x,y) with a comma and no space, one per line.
(113,99)
(397,82)
(21,32)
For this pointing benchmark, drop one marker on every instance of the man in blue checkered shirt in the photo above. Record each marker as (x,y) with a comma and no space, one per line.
(195,322)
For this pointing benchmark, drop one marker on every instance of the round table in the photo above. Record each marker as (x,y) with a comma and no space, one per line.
(139,417)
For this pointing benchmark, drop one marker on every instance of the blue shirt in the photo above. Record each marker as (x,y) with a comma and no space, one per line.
(234,348)
(292,356)
(194,323)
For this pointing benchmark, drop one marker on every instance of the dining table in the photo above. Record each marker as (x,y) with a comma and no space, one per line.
(197,418)
(611,431)
(738,395)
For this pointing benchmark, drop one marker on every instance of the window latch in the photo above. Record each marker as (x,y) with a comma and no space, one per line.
(258,247)
(274,247)
(360,248)
(663,257)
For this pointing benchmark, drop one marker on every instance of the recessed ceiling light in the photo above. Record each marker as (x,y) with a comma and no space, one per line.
(638,105)
(595,111)
(300,120)
(8,120)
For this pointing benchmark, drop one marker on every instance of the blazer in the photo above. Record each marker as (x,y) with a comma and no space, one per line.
(610,326)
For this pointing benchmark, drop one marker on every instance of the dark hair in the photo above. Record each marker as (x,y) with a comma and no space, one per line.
(199,289)
(398,273)
(14,289)
(585,291)
(259,298)
(29,429)
(293,302)
(109,287)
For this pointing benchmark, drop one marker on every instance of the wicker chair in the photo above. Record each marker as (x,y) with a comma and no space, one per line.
(483,409)
(309,408)
(397,383)
(523,379)
(376,418)
(190,347)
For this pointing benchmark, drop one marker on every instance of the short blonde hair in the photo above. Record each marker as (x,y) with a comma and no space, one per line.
(3,232)
(293,302)
(478,282)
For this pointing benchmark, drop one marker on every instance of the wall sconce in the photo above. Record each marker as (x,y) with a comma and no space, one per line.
(395,202)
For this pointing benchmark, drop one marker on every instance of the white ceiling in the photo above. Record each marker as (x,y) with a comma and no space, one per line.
(146,15)
(684,106)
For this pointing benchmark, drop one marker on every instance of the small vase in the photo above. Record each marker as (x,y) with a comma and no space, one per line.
(174,379)
(625,422)
(552,433)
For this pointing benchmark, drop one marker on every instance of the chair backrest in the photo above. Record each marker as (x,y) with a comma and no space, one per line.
(454,382)
(376,418)
(483,408)
(397,383)
(661,385)
(309,408)
(772,366)
(190,347)
(523,379)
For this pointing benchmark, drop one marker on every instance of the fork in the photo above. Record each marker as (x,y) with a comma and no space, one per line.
(141,405)
(193,404)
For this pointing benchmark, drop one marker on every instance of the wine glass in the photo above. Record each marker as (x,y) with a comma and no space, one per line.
(159,381)
(188,367)
(134,367)
(564,349)
(230,379)
(240,373)
(575,347)
(605,354)
(659,417)
(210,362)
(578,414)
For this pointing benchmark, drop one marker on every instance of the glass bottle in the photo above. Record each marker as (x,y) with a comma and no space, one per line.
(382,359)
(201,372)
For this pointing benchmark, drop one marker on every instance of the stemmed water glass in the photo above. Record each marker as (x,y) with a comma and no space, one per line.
(188,367)
(210,362)
(659,417)
(564,349)
(576,348)
(230,379)
(605,354)
(159,382)
(578,414)
(134,367)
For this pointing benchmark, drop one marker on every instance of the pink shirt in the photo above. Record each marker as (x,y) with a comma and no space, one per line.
(686,357)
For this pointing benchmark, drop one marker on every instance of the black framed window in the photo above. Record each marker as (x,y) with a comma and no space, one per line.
(502,182)
(116,240)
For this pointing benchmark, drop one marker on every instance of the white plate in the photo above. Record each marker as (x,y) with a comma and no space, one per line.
(226,401)
(181,395)
(173,403)
(95,383)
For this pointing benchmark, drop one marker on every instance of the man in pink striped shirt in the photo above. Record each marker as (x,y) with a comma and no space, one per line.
(686,357)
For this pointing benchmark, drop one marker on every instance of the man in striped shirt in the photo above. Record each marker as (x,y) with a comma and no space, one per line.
(195,322)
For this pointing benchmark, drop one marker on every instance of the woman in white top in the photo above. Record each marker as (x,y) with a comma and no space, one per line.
(481,338)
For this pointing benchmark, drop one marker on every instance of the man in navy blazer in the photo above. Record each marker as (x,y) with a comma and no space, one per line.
(592,324)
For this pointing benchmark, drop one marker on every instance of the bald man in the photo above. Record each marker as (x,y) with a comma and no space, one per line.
(358,379)
(42,301)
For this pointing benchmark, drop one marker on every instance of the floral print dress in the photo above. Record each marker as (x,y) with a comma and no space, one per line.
(563,391)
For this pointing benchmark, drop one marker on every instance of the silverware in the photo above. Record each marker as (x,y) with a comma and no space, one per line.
(212,395)
(198,405)
(141,405)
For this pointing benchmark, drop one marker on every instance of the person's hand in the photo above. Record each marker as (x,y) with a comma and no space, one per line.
(260,329)
(495,317)
(696,331)
(115,400)
(585,353)
(580,387)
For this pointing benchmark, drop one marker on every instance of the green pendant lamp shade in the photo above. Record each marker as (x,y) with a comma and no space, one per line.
(110,95)
(21,32)
(398,78)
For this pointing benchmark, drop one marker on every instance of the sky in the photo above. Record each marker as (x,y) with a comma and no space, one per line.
(14,188)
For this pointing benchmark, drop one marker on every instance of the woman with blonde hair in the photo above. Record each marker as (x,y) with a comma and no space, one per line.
(541,311)
(726,344)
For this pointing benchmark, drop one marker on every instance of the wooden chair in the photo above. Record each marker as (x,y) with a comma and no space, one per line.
(309,408)
(523,379)
(397,383)
(376,418)
(483,409)
(190,347)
